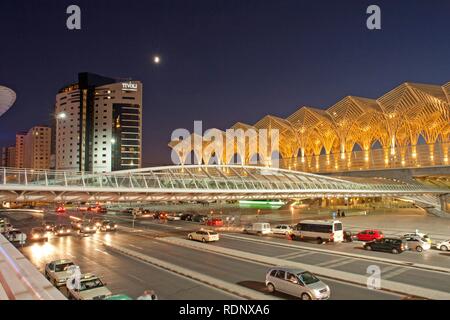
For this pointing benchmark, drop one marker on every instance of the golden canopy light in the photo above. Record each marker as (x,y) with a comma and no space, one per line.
(396,121)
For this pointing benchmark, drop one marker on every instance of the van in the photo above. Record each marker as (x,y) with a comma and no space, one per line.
(259,228)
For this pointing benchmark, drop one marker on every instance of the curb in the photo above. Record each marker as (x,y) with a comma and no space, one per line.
(216,283)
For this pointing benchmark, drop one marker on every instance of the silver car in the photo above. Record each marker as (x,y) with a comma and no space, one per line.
(297,282)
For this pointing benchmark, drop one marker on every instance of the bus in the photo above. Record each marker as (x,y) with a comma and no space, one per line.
(319,230)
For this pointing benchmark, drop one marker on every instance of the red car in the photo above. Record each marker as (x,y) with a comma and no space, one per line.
(214,222)
(370,235)
(60,209)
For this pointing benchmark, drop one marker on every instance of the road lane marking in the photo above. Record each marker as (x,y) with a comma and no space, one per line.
(332,262)
(132,245)
(104,252)
(393,273)
(294,255)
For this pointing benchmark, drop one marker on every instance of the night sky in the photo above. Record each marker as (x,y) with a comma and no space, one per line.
(222,61)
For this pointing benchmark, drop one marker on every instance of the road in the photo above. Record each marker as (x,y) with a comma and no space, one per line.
(132,277)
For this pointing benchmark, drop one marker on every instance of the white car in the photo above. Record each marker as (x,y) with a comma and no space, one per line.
(443,245)
(204,236)
(417,243)
(423,236)
(174,217)
(283,229)
(15,235)
(91,288)
(57,271)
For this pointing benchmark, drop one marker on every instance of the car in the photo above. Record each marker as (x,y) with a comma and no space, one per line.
(76,224)
(97,222)
(173,217)
(297,282)
(394,245)
(108,226)
(60,209)
(48,226)
(424,236)
(204,236)
(38,234)
(199,218)
(91,288)
(369,235)
(62,230)
(418,244)
(443,245)
(15,235)
(283,229)
(259,228)
(87,228)
(161,215)
(57,271)
(214,222)
(348,236)
(186,216)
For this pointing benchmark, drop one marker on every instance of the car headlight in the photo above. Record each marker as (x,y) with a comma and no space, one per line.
(35,236)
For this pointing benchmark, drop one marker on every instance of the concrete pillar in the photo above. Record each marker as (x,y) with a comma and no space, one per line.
(445,206)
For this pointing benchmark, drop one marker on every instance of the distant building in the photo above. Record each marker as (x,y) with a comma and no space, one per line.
(8,157)
(20,140)
(98,125)
(37,146)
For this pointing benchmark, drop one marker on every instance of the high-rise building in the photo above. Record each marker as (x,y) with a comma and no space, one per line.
(8,157)
(37,146)
(99,125)
(20,149)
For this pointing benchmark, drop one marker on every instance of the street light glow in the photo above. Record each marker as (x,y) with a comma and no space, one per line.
(156,59)
(61,115)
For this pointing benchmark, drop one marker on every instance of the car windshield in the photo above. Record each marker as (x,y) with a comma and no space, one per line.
(63,266)
(308,278)
(37,230)
(91,284)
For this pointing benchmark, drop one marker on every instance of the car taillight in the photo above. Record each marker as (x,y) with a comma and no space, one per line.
(332,236)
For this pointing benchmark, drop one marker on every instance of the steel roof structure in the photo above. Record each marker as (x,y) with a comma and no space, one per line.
(176,183)
(394,121)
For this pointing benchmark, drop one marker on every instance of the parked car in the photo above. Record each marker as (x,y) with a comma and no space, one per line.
(283,229)
(297,282)
(259,228)
(214,222)
(393,245)
(417,243)
(199,218)
(62,230)
(38,234)
(91,288)
(204,236)
(443,245)
(369,235)
(57,271)
(108,226)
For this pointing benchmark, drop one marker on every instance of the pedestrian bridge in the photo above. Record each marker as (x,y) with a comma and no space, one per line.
(197,182)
